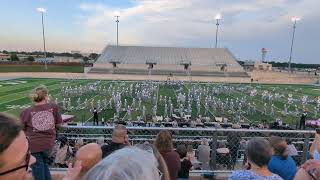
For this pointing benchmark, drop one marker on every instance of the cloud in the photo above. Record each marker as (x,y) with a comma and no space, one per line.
(191,22)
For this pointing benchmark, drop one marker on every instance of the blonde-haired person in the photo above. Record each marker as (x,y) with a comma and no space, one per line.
(40,123)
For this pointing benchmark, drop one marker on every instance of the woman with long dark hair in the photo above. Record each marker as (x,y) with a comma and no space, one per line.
(164,145)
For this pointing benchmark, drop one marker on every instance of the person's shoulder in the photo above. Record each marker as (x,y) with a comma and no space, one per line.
(54,105)
(172,155)
(24,113)
(241,175)
(275,177)
(106,146)
(187,162)
(290,158)
(292,161)
(274,163)
(28,109)
(275,159)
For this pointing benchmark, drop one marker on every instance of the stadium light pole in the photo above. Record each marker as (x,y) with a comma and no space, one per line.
(42,11)
(294,20)
(117,21)
(218,17)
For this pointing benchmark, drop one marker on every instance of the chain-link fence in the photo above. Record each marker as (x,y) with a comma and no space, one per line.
(208,148)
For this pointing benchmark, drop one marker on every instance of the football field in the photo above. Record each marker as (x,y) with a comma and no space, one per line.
(137,100)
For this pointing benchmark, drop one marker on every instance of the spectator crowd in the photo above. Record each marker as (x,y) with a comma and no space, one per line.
(28,144)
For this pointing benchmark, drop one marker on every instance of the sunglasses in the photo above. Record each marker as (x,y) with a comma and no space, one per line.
(26,166)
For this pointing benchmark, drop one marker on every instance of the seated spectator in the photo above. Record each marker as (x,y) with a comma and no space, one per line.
(204,154)
(164,145)
(185,162)
(64,153)
(310,170)
(89,155)
(292,150)
(259,153)
(15,155)
(127,163)
(190,153)
(100,141)
(233,144)
(162,166)
(119,140)
(281,163)
(315,147)
(79,143)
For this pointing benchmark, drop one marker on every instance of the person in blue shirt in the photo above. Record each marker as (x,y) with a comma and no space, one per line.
(281,163)
(259,152)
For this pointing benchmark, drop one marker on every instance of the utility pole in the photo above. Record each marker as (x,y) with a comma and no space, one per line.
(42,11)
(218,17)
(294,20)
(117,21)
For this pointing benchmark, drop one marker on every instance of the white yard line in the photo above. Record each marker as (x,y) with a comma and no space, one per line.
(25,85)
(22,92)
(29,103)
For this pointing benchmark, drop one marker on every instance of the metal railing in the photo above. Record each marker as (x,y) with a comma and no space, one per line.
(226,146)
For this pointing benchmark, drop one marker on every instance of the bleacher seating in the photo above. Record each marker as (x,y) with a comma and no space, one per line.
(168,60)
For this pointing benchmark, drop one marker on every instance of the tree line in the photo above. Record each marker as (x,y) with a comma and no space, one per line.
(14,57)
(284,65)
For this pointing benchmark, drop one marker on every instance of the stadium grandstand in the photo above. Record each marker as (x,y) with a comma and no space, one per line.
(143,60)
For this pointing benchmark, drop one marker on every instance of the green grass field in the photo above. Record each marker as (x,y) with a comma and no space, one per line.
(14,96)
(41,68)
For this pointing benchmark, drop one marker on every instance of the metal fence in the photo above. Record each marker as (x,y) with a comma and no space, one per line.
(225,149)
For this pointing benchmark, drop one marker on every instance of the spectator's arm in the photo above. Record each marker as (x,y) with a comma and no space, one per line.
(23,118)
(302,175)
(57,117)
(73,172)
(312,148)
(59,125)
(317,142)
(315,145)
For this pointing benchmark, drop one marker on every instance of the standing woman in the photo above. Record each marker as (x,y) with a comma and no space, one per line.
(164,145)
(40,123)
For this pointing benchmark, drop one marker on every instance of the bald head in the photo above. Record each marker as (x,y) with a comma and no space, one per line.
(119,134)
(89,155)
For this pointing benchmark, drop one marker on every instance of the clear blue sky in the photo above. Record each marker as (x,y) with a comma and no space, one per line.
(88,26)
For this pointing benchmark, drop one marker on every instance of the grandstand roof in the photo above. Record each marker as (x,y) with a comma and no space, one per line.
(167,55)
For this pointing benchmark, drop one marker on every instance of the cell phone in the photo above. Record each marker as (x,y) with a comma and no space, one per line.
(318,130)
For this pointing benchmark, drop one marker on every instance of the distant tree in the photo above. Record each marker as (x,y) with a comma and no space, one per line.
(49,54)
(85,59)
(77,55)
(5,52)
(14,57)
(30,58)
(93,56)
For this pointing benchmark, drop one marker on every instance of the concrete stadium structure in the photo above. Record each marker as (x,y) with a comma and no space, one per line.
(168,61)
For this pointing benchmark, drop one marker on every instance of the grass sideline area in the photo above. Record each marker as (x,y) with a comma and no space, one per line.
(14,97)
(40,68)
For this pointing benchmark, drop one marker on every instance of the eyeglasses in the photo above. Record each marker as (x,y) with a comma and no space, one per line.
(160,174)
(26,166)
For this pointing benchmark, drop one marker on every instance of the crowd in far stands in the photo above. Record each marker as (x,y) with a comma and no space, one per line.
(27,144)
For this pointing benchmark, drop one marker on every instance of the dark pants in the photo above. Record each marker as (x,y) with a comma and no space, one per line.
(95,120)
(302,123)
(40,169)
